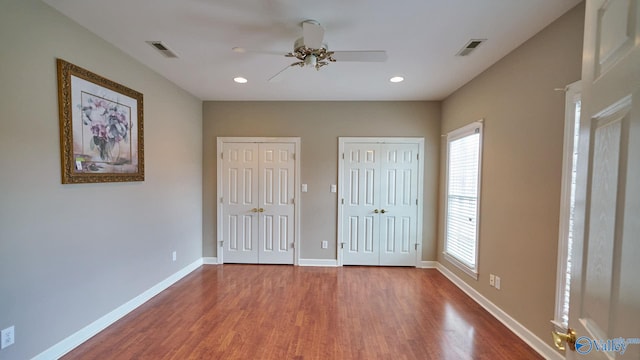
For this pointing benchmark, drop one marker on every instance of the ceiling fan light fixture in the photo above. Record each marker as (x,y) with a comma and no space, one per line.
(310,60)
(240,80)
(396,79)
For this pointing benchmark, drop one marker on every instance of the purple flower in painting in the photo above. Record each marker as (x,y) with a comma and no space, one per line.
(109,125)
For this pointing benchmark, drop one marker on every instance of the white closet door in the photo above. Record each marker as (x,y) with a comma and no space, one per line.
(240,202)
(361,192)
(258,210)
(276,238)
(398,214)
(380,213)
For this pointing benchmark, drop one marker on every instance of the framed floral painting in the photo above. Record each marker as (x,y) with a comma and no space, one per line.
(101,128)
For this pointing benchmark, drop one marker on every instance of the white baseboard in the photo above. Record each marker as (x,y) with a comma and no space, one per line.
(522,332)
(428,265)
(210,261)
(318,262)
(74,340)
(71,342)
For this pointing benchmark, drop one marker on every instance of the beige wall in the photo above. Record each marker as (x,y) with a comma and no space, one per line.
(62,269)
(521,168)
(319,124)
(69,254)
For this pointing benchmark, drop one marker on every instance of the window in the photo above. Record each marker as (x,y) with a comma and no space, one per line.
(565,242)
(464,157)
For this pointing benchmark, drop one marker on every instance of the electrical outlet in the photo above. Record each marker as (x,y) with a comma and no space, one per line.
(325,244)
(492,280)
(498,282)
(8,337)
(175,255)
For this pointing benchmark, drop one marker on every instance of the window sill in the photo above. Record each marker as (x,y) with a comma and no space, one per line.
(457,263)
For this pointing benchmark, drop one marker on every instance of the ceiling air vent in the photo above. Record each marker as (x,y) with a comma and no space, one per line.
(470,46)
(162,48)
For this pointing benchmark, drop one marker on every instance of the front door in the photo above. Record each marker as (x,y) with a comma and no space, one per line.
(605,290)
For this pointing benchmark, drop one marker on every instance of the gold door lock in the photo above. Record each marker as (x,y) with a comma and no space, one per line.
(559,339)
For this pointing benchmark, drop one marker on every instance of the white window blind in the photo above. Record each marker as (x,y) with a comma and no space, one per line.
(463,175)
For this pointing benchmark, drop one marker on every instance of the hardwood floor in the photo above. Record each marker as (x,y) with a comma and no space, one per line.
(285,312)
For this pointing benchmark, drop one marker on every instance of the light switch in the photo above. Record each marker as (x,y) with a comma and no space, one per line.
(334,188)
(304,187)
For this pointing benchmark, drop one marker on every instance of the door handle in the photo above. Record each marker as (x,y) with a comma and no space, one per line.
(261,210)
(376,211)
(383,211)
(559,339)
(254,210)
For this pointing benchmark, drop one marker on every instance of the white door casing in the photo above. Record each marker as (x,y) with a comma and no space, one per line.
(378,209)
(605,291)
(258,215)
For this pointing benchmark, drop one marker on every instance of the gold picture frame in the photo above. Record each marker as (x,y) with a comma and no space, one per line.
(101,128)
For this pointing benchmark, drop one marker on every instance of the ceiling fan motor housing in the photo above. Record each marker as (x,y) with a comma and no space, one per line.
(299,45)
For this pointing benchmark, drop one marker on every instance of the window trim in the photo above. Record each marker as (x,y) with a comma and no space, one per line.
(472,128)
(572,96)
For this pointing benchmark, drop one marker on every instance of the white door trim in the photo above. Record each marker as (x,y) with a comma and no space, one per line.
(220,145)
(380,140)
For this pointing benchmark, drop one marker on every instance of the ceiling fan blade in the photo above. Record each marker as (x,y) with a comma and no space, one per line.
(313,34)
(364,56)
(277,77)
(241,50)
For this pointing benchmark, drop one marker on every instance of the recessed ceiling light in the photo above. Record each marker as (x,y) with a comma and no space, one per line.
(239,49)
(240,80)
(396,79)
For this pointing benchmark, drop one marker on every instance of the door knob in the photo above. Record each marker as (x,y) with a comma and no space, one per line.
(559,339)
(261,210)
(254,210)
(376,211)
(383,211)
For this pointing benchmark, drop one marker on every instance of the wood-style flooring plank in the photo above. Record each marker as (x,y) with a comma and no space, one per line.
(284,312)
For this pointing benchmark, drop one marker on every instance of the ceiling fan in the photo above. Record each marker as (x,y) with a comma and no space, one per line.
(312,52)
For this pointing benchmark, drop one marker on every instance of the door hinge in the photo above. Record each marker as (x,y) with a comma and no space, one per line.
(221,200)
(293,245)
(293,156)
(341,245)
(293,201)
(416,246)
(221,155)
(416,201)
(417,156)
(342,201)
(342,156)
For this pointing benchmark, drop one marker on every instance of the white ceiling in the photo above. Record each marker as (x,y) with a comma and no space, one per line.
(421,38)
